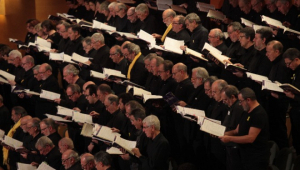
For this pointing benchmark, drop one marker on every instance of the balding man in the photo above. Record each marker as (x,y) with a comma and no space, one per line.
(70,160)
(219,113)
(50,84)
(167,16)
(49,128)
(154,87)
(65,144)
(87,161)
(277,103)
(134,24)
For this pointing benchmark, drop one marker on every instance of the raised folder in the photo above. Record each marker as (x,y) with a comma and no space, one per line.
(213,128)
(194,53)
(289,87)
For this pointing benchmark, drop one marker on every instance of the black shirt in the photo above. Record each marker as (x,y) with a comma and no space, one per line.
(167,86)
(233,116)
(158,151)
(55,137)
(257,151)
(101,59)
(183,88)
(75,46)
(149,24)
(53,158)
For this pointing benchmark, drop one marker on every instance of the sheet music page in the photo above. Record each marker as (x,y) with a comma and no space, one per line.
(2,134)
(110,72)
(272,22)
(256,77)
(139,92)
(44,166)
(57,118)
(173,45)
(31,92)
(102,26)
(216,15)
(82,118)
(79,58)
(64,111)
(268,85)
(195,53)
(43,49)
(22,166)
(12,142)
(126,144)
(87,130)
(114,151)
(247,22)
(143,35)
(148,96)
(2,80)
(7,75)
(107,134)
(97,75)
(56,56)
(128,35)
(68,59)
(213,128)
(41,42)
(211,49)
(49,95)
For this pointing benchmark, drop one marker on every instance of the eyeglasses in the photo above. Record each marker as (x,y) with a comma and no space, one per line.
(211,36)
(113,54)
(175,73)
(29,127)
(144,127)
(70,95)
(242,36)
(241,101)
(64,160)
(173,23)
(130,15)
(42,72)
(166,17)
(44,129)
(23,64)
(289,63)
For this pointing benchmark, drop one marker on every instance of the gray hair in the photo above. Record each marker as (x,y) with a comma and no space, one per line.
(15,54)
(75,88)
(103,157)
(19,110)
(68,142)
(36,123)
(112,5)
(159,60)
(88,157)
(98,37)
(104,6)
(74,155)
(193,17)
(37,67)
(43,141)
(142,7)
(218,33)
(134,105)
(230,90)
(171,13)
(70,68)
(152,120)
(66,25)
(87,40)
(150,56)
(117,49)
(181,19)
(50,122)
(235,26)
(221,84)
(47,67)
(113,98)
(38,27)
(181,67)
(132,48)
(201,73)
(122,6)
(29,59)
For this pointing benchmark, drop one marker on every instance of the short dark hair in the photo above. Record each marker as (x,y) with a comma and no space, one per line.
(168,65)
(126,97)
(105,88)
(92,89)
(230,90)
(48,24)
(249,32)
(291,53)
(75,28)
(265,33)
(248,93)
(211,80)
(104,158)
(19,110)
(138,114)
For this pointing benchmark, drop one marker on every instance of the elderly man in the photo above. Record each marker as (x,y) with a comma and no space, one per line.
(158,149)
(74,93)
(247,12)
(87,161)
(63,31)
(101,58)
(121,21)
(50,84)
(65,144)
(167,16)
(149,23)
(52,155)
(49,129)
(70,74)
(134,24)
(103,161)
(136,70)
(112,106)
(252,129)
(70,160)
(154,87)
(219,113)
(229,96)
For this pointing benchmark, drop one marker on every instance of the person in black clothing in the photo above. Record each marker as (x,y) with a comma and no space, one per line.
(103,160)
(260,9)
(251,133)
(118,119)
(167,16)
(136,69)
(134,24)
(33,128)
(199,35)
(74,45)
(292,61)
(149,23)
(49,129)
(50,84)
(168,84)
(229,96)
(63,31)
(273,10)
(87,161)
(74,93)
(89,52)
(101,58)
(5,116)
(70,74)
(70,160)
(247,12)
(277,103)
(121,64)
(121,20)
(158,150)
(50,151)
